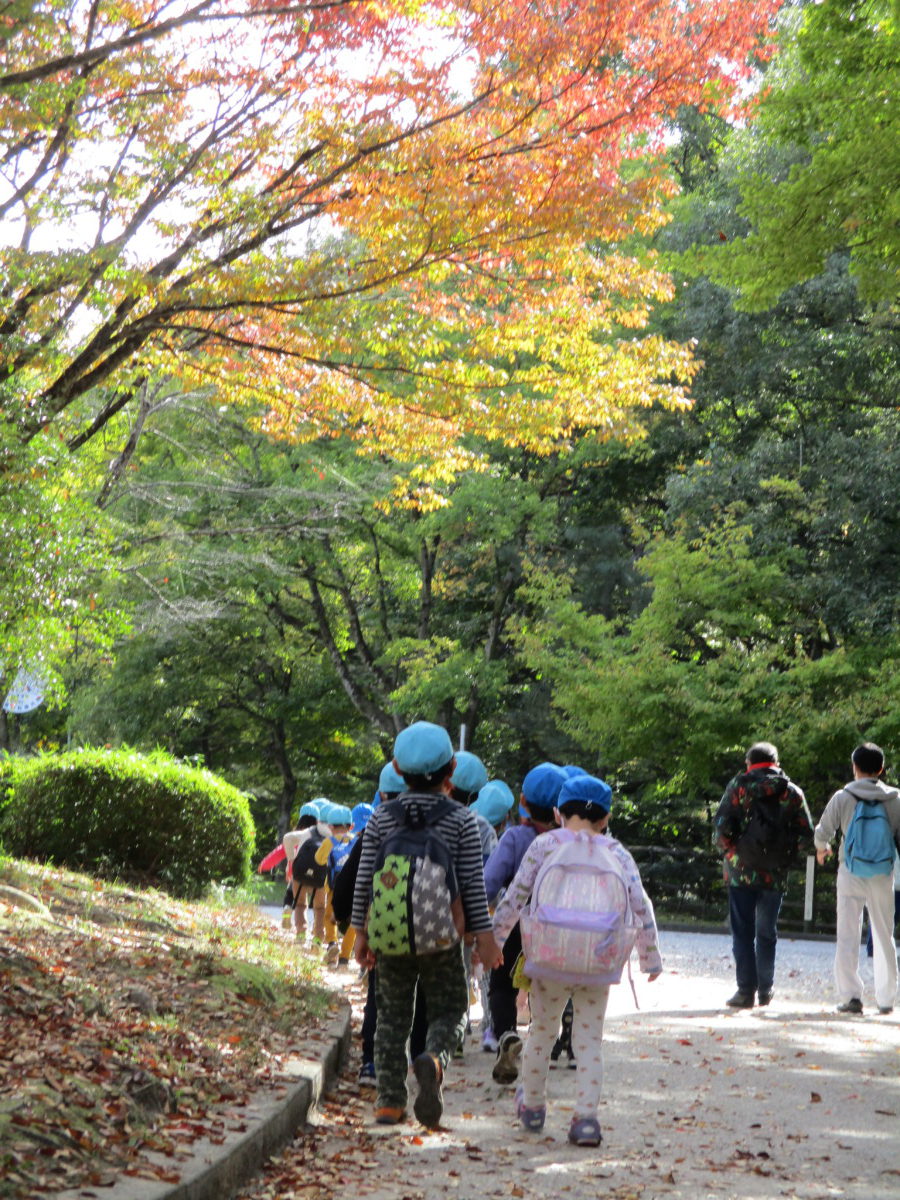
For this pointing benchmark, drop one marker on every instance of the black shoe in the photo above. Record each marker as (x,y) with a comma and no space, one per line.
(851,1006)
(741,1000)
(429,1104)
(506,1068)
(763,999)
(884,1009)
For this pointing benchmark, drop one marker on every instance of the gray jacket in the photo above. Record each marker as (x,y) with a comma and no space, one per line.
(842,805)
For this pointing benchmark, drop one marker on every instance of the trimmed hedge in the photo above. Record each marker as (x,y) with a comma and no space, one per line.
(119,814)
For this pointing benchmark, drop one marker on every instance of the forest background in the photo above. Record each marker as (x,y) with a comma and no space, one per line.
(522,370)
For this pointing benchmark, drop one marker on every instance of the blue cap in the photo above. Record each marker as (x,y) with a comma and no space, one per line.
(494,801)
(422,748)
(542,784)
(571,770)
(309,810)
(470,773)
(361,814)
(389,781)
(589,790)
(338,814)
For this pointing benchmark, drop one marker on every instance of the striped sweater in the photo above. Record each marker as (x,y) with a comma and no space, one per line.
(459,830)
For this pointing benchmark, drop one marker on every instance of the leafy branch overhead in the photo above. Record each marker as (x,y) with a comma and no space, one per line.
(232,193)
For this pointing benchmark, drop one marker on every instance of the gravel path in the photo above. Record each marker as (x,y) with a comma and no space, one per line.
(701,1102)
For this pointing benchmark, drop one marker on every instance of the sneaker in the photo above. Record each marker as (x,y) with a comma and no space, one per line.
(763,999)
(367,1074)
(532,1119)
(506,1068)
(741,1000)
(572,1064)
(585,1131)
(489,1042)
(287,916)
(389,1114)
(854,1005)
(884,1009)
(332,954)
(429,1104)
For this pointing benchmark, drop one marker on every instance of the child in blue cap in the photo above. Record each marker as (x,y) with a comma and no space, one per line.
(540,787)
(582,807)
(423,755)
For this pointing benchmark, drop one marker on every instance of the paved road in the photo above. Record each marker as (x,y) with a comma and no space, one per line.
(701,1103)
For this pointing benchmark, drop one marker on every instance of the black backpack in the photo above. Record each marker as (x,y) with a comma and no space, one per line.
(770,838)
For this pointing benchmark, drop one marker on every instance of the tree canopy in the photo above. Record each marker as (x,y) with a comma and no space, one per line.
(831,107)
(389,220)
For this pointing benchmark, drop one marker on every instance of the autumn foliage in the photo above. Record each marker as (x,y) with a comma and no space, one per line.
(398,221)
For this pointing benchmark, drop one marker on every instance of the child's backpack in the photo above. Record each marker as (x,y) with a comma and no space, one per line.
(337,856)
(415,907)
(579,926)
(869,841)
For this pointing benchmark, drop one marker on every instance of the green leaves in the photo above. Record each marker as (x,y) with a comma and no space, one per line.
(833,99)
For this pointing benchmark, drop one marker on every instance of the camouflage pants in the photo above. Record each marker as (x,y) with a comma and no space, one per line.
(442,978)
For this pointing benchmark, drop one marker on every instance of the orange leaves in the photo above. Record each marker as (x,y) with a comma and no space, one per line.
(372,221)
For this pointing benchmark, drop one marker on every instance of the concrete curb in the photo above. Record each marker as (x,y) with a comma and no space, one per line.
(216,1172)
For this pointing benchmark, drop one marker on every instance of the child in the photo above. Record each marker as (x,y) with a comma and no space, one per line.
(297,900)
(582,807)
(491,808)
(329,853)
(540,788)
(423,755)
(308,876)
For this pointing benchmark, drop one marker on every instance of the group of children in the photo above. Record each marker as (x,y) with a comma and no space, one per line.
(439,883)
(441,803)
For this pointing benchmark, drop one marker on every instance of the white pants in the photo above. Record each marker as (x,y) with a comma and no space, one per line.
(877,895)
(548,999)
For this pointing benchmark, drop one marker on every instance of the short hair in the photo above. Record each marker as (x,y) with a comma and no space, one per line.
(307,821)
(761,752)
(462,797)
(584,809)
(868,758)
(428,783)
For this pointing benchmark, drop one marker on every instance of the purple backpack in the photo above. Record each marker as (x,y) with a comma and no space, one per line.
(579,926)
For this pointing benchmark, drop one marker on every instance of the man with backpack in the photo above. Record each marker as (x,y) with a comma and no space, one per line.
(419,888)
(867,812)
(761,824)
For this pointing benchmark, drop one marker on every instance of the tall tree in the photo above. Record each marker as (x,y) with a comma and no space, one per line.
(831,105)
(216,190)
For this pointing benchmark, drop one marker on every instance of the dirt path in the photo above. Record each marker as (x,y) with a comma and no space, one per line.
(701,1102)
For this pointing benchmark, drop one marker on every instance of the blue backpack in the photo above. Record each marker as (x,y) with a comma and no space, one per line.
(869,841)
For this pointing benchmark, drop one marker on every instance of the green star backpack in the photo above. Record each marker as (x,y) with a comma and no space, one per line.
(415,907)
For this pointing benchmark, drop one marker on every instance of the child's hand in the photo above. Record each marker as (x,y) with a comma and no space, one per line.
(489,953)
(825,852)
(362,952)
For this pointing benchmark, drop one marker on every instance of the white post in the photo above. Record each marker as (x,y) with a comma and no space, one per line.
(810,880)
(462,737)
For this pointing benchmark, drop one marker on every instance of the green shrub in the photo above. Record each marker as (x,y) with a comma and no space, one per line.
(117,813)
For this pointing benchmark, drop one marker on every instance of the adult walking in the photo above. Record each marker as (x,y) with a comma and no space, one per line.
(761,824)
(867,812)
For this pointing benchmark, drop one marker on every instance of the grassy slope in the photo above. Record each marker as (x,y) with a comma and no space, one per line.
(132,1024)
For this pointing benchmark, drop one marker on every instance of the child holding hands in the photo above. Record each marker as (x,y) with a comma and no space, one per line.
(582,808)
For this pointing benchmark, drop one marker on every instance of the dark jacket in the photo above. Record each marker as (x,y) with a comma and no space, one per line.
(733,817)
